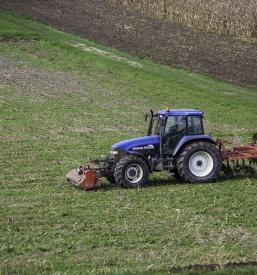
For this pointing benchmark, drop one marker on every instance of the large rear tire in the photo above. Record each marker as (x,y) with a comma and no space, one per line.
(131,172)
(199,162)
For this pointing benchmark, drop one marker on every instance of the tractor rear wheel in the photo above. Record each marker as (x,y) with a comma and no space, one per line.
(199,162)
(131,172)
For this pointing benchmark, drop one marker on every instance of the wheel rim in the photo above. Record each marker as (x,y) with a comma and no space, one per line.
(201,164)
(134,173)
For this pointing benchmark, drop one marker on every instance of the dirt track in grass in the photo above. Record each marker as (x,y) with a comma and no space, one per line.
(172,44)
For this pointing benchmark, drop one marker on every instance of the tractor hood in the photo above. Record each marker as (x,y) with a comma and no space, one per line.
(134,143)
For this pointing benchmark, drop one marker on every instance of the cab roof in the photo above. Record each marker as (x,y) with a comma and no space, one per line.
(181,112)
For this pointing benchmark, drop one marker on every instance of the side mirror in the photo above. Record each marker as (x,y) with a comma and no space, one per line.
(146,117)
(151,114)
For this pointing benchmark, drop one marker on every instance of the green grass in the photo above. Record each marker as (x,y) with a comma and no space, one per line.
(61,106)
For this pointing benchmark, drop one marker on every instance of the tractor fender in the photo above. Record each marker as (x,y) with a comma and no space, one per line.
(189,139)
(147,161)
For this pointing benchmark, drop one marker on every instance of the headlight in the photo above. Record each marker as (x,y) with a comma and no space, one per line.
(114,152)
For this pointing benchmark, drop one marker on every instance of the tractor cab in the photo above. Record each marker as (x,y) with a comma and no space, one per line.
(173,125)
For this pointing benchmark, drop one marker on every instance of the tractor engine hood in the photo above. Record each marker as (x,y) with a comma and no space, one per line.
(136,143)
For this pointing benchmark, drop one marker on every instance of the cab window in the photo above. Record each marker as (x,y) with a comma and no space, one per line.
(195,126)
(175,125)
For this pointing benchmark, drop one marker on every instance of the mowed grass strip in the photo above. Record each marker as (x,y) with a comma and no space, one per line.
(61,106)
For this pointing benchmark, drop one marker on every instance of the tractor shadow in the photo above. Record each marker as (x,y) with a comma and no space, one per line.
(163,182)
(241,172)
(174,182)
(106,186)
(223,178)
(168,180)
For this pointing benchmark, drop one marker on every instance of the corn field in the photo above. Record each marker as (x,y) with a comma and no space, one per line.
(231,17)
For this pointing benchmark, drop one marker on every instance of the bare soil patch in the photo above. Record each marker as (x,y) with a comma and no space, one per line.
(169,43)
(40,84)
(107,54)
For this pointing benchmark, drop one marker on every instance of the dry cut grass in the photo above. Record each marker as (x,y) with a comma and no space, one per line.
(231,17)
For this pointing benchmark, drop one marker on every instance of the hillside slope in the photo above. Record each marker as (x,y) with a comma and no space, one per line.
(64,100)
(224,58)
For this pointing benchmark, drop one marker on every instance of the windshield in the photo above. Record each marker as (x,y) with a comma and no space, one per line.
(156,124)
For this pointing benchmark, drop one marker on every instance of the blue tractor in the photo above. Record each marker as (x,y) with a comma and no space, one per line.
(175,142)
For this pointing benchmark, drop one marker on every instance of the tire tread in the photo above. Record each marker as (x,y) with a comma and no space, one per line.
(180,163)
(118,170)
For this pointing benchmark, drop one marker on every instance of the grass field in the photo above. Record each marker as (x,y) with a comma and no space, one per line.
(62,105)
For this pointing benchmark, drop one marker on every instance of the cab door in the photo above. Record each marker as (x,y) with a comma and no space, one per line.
(175,129)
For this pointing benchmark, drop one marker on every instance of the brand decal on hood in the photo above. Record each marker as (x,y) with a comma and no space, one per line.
(146,147)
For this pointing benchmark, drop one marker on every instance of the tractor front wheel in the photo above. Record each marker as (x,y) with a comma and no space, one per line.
(131,172)
(199,162)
